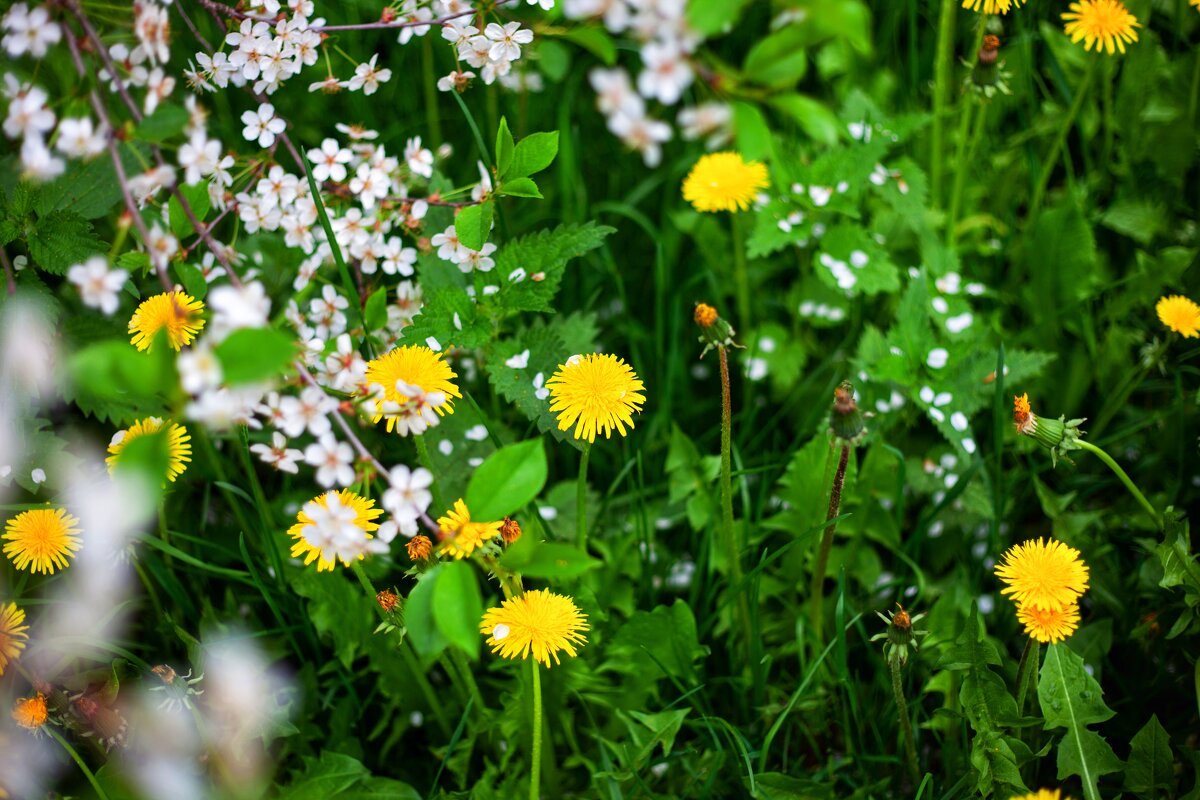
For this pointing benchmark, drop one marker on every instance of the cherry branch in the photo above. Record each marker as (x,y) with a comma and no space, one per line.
(381,24)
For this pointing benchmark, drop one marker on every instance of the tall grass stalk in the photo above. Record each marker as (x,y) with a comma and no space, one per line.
(944,57)
(1060,138)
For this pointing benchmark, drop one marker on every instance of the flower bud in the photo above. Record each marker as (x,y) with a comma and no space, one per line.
(510,530)
(846,422)
(419,547)
(901,634)
(715,330)
(1056,435)
(387,600)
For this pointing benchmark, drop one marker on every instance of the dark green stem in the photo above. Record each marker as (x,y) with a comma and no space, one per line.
(535,772)
(1125,479)
(56,736)
(423,457)
(581,535)
(741,275)
(944,56)
(816,593)
(910,750)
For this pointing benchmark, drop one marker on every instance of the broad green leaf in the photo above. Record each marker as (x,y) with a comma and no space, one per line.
(553,58)
(533,154)
(474,223)
(1150,771)
(198,200)
(250,355)
(192,279)
(1070,698)
(777,60)
(167,120)
(504,147)
(375,312)
(328,776)
(813,116)
(710,17)
(148,455)
(535,559)
(520,187)
(751,131)
(664,638)
(458,606)
(375,788)
(419,618)
(594,39)
(507,480)
(663,726)
(116,369)
(1180,567)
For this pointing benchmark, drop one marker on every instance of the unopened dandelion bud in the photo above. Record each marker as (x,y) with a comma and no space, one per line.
(510,530)
(715,330)
(990,50)
(988,75)
(846,422)
(1056,435)
(900,636)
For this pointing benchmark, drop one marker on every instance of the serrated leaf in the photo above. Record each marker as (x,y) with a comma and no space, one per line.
(1151,766)
(542,257)
(328,776)
(62,239)
(448,314)
(854,262)
(507,480)
(996,764)
(1070,698)
(458,606)
(533,154)
(662,639)
(90,188)
(337,608)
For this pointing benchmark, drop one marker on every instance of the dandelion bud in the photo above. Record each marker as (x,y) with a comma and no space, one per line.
(165,673)
(901,634)
(387,599)
(715,330)
(846,421)
(510,530)
(990,50)
(988,75)
(419,548)
(1056,435)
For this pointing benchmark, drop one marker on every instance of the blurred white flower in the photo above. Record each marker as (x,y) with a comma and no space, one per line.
(98,285)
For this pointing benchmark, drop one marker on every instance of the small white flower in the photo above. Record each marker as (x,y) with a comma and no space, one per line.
(77,138)
(98,285)
(333,459)
(38,476)
(408,496)
(28,31)
(329,161)
(419,159)
(519,361)
(199,368)
(262,125)
(278,454)
(368,77)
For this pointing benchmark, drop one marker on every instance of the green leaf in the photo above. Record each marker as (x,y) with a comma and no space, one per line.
(116,370)
(507,480)
(543,258)
(60,240)
(551,560)
(423,630)
(250,355)
(710,17)
(664,638)
(198,200)
(1180,567)
(594,39)
(504,147)
(375,312)
(90,188)
(1151,767)
(520,187)
(166,121)
(533,154)
(192,279)
(662,728)
(778,60)
(751,131)
(813,116)
(337,607)
(553,59)
(458,606)
(325,777)
(473,224)
(1070,698)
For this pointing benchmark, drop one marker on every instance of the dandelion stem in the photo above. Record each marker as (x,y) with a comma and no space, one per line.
(741,275)
(733,550)
(581,500)
(944,55)
(535,772)
(1060,138)
(56,736)
(816,593)
(910,750)
(966,154)
(1125,479)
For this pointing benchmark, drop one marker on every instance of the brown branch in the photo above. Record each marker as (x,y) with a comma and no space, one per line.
(229,11)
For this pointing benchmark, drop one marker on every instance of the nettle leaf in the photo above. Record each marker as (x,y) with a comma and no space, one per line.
(854,262)
(518,368)
(459,443)
(90,188)
(62,239)
(507,480)
(777,225)
(662,639)
(1070,698)
(448,316)
(1151,766)
(543,258)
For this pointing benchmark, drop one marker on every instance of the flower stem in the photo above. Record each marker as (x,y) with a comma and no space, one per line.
(733,549)
(741,275)
(423,456)
(1060,138)
(56,736)
(910,750)
(1125,479)
(816,594)
(535,772)
(944,55)
(581,500)
(966,154)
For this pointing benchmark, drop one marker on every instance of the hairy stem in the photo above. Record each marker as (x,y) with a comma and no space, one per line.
(581,535)
(535,772)
(910,750)
(816,593)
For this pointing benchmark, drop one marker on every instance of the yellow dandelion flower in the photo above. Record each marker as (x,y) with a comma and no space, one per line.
(31,712)
(1049,625)
(41,540)
(13,634)
(1045,794)
(179,449)
(175,312)
(992,6)
(537,622)
(309,547)
(1179,313)
(414,366)
(1043,574)
(1104,24)
(460,536)
(724,182)
(595,393)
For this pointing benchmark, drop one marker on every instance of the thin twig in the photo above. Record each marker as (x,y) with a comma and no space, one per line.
(394,24)
(363,452)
